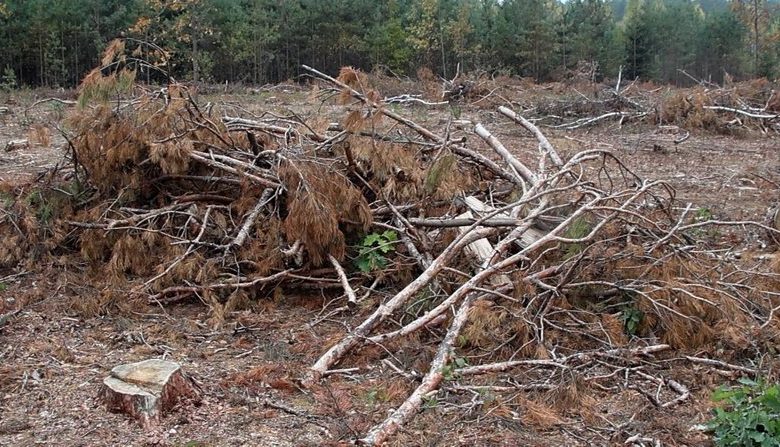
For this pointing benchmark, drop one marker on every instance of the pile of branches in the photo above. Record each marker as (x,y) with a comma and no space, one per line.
(752,105)
(581,102)
(515,259)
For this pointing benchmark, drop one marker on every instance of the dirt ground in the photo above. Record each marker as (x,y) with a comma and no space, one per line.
(53,357)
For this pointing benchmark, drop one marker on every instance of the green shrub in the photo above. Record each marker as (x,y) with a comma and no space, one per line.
(631,318)
(374,249)
(750,416)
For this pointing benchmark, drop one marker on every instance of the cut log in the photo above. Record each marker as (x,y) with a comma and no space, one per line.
(481,249)
(146,390)
(530,236)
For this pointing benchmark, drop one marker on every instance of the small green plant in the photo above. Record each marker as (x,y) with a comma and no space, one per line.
(460,362)
(374,249)
(430,403)
(3,286)
(44,210)
(631,318)
(376,395)
(703,214)
(750,416)
(450,370)
(194,444)
(6,199)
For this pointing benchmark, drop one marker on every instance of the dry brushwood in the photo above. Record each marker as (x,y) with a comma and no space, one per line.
(747,105)
(557,267)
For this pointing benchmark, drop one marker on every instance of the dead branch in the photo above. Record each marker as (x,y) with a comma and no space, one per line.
(760,116)
(721,364)
(348,290)
(522,172)
(543,142)
(251,218)
(379,434)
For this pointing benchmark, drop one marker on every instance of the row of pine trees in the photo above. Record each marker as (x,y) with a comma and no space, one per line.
(55,42)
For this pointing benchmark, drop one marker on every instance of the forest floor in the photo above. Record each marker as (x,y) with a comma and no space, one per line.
(55,351)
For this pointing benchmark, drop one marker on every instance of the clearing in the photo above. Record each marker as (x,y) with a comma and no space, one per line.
(66,326)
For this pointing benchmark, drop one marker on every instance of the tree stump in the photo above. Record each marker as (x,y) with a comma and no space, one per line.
(146,390)
(14,145)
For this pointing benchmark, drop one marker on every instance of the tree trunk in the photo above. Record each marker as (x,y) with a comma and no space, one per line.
(194,57)
(146,390)
(755,37)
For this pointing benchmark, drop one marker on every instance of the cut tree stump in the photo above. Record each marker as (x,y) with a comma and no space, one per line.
(146,390)
(14,145)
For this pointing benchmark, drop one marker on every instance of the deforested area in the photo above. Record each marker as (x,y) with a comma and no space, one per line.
(357,257)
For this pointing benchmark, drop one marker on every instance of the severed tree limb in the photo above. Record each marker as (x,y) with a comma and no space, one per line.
(561,362)
(337,351)
(231,161)
(680,389)
(235,123)
(380,433)
(145,215)
(224,167)
(351,297)
(721,364)
(403,99)
(582,122)
(233,285)
(523,173)
(543,141)
(265,198)
(439,222)
(677,387)
(505,366)
(761,116)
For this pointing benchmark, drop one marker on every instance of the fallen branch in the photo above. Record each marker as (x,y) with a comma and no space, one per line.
(761,116)
(351,297)
(721,364)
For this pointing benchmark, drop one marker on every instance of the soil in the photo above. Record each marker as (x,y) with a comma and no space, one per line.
(54,355)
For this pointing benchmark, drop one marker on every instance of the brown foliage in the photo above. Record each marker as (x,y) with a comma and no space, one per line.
(687,110)
(318,201)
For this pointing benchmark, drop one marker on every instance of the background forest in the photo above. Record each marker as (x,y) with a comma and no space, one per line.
(55,42)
